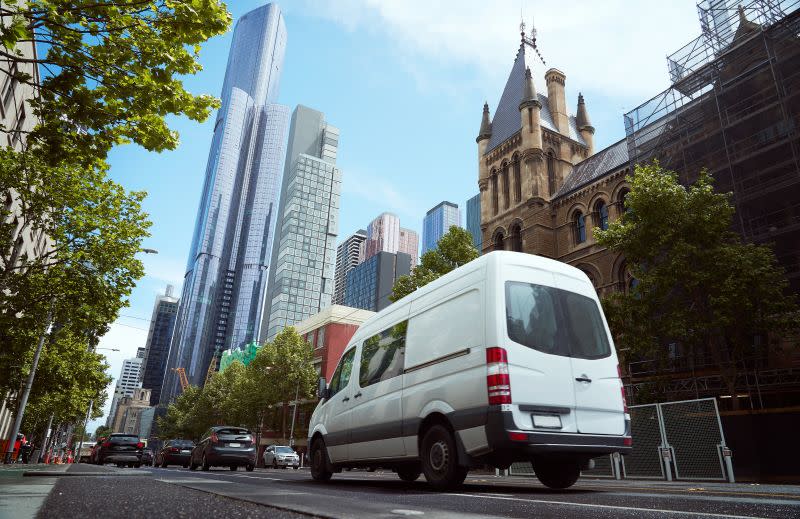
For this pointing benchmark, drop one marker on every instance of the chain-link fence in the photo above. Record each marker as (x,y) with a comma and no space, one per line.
(644,460)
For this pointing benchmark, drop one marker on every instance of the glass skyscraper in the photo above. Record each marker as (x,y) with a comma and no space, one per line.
(304,257)
(437,222)
(369,285)
(226,273)
(474,220)
(162,325)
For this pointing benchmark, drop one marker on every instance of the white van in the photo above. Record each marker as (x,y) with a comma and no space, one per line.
(508,358)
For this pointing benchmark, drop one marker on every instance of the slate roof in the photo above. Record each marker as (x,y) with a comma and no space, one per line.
(506,121)
(594,167)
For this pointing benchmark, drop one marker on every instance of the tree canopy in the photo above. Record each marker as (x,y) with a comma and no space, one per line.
(454,249)
(698,284)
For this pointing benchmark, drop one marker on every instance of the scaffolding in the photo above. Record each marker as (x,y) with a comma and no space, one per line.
(734,109)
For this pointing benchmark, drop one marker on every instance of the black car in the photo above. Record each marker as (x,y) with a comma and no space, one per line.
(175,452)
(225,446)
(122,449)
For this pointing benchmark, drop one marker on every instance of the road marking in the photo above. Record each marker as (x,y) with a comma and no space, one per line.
(257,477)
(192,480)
(401,511)
(607,507)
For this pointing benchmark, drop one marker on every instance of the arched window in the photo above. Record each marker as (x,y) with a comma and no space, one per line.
(580,227)
(506,198)
(517,180)
(495,205)
(622,196)
(602,214)
(551,172)
(499,241)
(516,238)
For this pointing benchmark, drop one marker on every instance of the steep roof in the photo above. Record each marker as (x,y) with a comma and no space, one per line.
(594,167)
(506,121)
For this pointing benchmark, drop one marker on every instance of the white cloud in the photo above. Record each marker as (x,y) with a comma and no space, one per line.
(165,269)
(379,191)
(614,46)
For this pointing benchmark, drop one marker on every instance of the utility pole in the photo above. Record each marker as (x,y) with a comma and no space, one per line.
(294,415)
(23,401)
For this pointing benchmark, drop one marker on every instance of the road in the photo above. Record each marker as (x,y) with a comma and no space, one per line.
(176,492)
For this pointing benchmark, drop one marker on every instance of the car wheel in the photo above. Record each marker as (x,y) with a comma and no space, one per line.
(205,466)
(234,468)
(274,464)
(284,467)
(120,465)
(319,461)
(556,474)
(409,474)
(250,468)
(295,467)
(440,459)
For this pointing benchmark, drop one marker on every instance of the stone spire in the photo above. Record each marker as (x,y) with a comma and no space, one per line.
(486,125)
(584,125)
(528,90)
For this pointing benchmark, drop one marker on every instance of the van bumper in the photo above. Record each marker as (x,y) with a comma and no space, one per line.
(503,435)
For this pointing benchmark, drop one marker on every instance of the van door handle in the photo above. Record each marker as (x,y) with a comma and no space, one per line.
(583,378)
(357,395)
(346,399)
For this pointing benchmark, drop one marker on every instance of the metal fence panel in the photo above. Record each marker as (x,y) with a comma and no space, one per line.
(603,468)
(692,428)
(521,468)
(643,461)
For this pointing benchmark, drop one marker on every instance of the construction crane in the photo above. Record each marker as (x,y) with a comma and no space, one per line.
(182,376)
(212,368)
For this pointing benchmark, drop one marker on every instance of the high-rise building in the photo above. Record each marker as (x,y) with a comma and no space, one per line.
(369,285)
(437,222)
(162,324)
(128,411)
(228,266)
(409,244)
(474,220)
(304,258)
(127,382)
(383,234)
(349,253)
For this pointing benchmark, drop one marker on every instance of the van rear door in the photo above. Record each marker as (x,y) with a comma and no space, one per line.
(595,379)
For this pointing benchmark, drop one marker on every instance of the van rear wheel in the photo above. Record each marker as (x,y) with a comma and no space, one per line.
(556,474)
(440,459)
(319,461)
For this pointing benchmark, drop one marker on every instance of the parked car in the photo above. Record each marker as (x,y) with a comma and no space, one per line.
(227,446)
(281,456)
(175,452)
(85,453)
(95,450)
(505,359)
(147,458)
(122,449)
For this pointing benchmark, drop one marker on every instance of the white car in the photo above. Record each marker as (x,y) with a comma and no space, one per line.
(281,456)
(505,359)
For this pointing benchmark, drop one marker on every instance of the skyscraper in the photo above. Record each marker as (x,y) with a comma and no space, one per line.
(474,220)
(349,253)
(226,274)
(304,258)
(369,285)
(128,381)
(162,324)
(409,244)
(437,222)
(383,234)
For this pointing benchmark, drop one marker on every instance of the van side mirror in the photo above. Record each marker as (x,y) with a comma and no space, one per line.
(322,388)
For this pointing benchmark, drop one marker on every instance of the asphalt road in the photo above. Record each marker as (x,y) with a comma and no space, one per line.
(176,492)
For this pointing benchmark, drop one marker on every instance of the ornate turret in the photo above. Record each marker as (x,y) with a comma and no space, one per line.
(584,124)
(530,114)
(486,125)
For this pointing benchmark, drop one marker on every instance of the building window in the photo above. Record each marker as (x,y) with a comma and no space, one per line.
(517,181)
(516,238)
(506,198)
(498,241)
(602,214)
(551,172)
(580,227)
(495,205)
(623,195)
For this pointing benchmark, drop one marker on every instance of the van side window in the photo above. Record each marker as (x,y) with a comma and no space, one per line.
(342,374)
(382,355)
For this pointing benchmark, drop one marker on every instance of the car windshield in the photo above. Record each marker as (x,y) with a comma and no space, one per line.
(555,321)
(233,430)
(284,450)
(123,439)
(182,443)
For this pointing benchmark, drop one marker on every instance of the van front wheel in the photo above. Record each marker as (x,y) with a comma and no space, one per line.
(557,474)
(440,459)
(319,461)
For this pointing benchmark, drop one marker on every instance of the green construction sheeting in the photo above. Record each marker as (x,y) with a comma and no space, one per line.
(244,355)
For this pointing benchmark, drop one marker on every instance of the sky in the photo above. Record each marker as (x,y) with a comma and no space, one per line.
(405,82)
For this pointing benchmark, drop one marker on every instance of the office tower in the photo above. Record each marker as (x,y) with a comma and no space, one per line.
(162,324)
(383,234)
(409,244)
(349,253)
(437,222)
(474,220)
(128,381)
(304,258)
(369,285)
(228,267)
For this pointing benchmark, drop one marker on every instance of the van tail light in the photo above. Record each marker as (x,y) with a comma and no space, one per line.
(627,441)
(498,381)
(214,438)
(140,445)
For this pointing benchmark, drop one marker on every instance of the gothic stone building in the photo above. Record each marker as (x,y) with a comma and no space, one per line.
(543,187)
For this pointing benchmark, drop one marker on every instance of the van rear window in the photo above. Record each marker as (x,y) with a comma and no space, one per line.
(555,321)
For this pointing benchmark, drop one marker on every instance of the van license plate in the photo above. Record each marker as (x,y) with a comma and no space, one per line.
(548,421)
(234,445)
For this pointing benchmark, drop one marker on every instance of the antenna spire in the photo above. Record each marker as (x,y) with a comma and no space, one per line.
(531,41)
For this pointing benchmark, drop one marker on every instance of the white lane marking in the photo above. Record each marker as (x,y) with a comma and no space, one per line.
(608,507)
(257,477)
(192,480)
(401,511)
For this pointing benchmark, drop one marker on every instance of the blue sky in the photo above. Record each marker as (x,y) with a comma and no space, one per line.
(405,81)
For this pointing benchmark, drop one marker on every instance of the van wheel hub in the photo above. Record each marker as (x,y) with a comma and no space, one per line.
(439,456)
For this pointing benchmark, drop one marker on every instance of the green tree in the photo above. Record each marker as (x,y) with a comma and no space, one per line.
(698,284)
(101,432)
(111,70)
(184,418)
(453,250)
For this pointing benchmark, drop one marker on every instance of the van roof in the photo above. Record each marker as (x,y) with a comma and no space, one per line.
(499,258)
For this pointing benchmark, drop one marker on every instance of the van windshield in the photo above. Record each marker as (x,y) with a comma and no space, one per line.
(555,321)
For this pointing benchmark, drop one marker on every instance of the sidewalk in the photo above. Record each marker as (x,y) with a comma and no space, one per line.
(21,497)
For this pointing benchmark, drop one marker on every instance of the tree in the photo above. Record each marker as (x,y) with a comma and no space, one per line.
(111,70)
(453,250)
(101,432)
(698,284)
